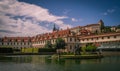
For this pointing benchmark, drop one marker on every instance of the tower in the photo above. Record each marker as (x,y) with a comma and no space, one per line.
(101,23)
(54,28)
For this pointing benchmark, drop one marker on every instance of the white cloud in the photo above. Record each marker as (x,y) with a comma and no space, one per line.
(27,18)
(105,13)
(109,11)
(66,11)
(74,20)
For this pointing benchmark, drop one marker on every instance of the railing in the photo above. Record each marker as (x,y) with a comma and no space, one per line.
(110,45)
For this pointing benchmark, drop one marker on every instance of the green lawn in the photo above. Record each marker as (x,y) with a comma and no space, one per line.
(30,50)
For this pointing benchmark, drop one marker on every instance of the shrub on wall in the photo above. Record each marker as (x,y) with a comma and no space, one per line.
(46,50)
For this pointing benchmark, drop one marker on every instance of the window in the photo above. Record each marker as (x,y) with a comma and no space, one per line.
(70,46)
(91,38)
(108,37)
(70,39)
(75,39)
(102,37)
(14,43)
(2,43)
(97,38)
(114,36)
(83,40)
(53,40)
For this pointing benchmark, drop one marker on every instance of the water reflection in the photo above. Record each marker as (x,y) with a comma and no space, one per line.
(43,63)
(45,59)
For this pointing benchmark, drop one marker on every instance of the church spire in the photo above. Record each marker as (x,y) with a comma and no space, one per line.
(54,28)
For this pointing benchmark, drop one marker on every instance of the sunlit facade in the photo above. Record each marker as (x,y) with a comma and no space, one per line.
(77,35)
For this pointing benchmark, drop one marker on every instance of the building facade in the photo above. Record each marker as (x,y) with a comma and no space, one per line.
(78,35)
(100,39)
(16,42)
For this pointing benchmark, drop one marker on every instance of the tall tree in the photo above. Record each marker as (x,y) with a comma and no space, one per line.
(77,49)
(48,44)
(60,43)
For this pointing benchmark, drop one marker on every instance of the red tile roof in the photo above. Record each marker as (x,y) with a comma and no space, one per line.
(16,39)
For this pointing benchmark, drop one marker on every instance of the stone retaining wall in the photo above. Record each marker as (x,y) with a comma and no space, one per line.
(110,53)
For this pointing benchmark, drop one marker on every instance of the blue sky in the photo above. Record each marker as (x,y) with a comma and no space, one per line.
(86,11)
(32,17)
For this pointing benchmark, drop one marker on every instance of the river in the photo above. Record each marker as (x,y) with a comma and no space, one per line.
(43,63)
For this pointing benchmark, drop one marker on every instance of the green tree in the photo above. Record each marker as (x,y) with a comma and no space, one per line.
(77,49)
(48,44)
(107,29)
(90,47)
(59,43)
(118,26)
(83,50)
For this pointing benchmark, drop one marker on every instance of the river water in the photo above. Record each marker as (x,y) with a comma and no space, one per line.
(43,63)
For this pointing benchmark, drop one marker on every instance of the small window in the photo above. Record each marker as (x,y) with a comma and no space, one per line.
(108,37)
(70,46)
(2,43)
(102,37)
(114,36)
(91,38)
(83,40)
(97,38)
(70,39)
(75,39)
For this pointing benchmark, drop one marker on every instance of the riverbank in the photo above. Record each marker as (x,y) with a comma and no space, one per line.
(91,56)
(81,56)
(104,53)
(111,53)
(42,53)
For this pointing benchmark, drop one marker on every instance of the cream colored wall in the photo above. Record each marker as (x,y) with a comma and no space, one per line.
(17,44)
(42,43)
(75,30)
(93,28)
(100,39)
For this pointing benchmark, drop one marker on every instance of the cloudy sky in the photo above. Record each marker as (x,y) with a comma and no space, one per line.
(32,17)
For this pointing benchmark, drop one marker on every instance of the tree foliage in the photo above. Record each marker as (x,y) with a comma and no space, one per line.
(59,43)
(118,26)
(107,29)
(48,44)
(90,47)
(77,49)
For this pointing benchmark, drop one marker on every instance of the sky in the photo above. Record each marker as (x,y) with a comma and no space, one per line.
(32,17)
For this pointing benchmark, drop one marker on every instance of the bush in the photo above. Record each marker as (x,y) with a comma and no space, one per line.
(65,53)
(91,48)
(46,50)
(6,50)
(30,50)
(83,50)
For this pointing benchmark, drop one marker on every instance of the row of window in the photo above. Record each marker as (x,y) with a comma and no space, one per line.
(98,38)
(21,47)
(15,43)
(17,40)
(71,39)
(43,42)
